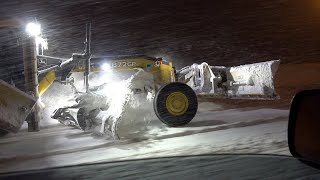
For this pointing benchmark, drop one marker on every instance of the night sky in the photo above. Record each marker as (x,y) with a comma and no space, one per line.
(224,32)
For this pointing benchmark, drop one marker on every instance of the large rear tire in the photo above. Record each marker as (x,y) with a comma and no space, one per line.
(175,104)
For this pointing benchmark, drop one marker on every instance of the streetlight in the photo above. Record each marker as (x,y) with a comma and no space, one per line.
(33,29)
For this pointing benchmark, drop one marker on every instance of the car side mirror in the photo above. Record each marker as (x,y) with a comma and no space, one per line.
(304,126)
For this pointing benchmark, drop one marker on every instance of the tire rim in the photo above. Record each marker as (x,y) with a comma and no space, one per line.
(177,103)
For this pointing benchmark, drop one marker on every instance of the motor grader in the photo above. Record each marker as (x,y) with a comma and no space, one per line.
(173,92)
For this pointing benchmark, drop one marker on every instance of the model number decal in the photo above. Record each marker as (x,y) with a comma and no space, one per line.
(123,64)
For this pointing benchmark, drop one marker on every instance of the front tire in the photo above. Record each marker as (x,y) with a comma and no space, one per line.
(175,104)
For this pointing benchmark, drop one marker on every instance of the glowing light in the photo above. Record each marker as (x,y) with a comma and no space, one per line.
(106,67)
(33,29)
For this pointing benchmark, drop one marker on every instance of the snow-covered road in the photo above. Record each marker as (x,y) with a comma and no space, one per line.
(213,130)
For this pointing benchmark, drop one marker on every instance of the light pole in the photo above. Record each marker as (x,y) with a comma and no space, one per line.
(31,72)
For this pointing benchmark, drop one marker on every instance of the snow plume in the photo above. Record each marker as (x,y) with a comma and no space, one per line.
(124,103)
(117,94)
(125,107)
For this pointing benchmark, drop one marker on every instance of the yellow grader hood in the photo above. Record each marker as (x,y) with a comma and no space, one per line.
(15,106)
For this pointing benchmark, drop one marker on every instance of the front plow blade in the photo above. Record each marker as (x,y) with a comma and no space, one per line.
(15,106)
(250,81)
(253,80)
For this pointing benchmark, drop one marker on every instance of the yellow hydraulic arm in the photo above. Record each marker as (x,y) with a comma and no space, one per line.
(47,80)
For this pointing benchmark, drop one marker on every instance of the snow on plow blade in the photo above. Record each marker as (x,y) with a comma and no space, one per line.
(15,106)
(250,81)
(253,80)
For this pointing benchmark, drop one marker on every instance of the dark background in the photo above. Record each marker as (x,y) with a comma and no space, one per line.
(227,32)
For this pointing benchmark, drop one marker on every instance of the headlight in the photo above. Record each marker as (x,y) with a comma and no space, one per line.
(33,29)
(105,67)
